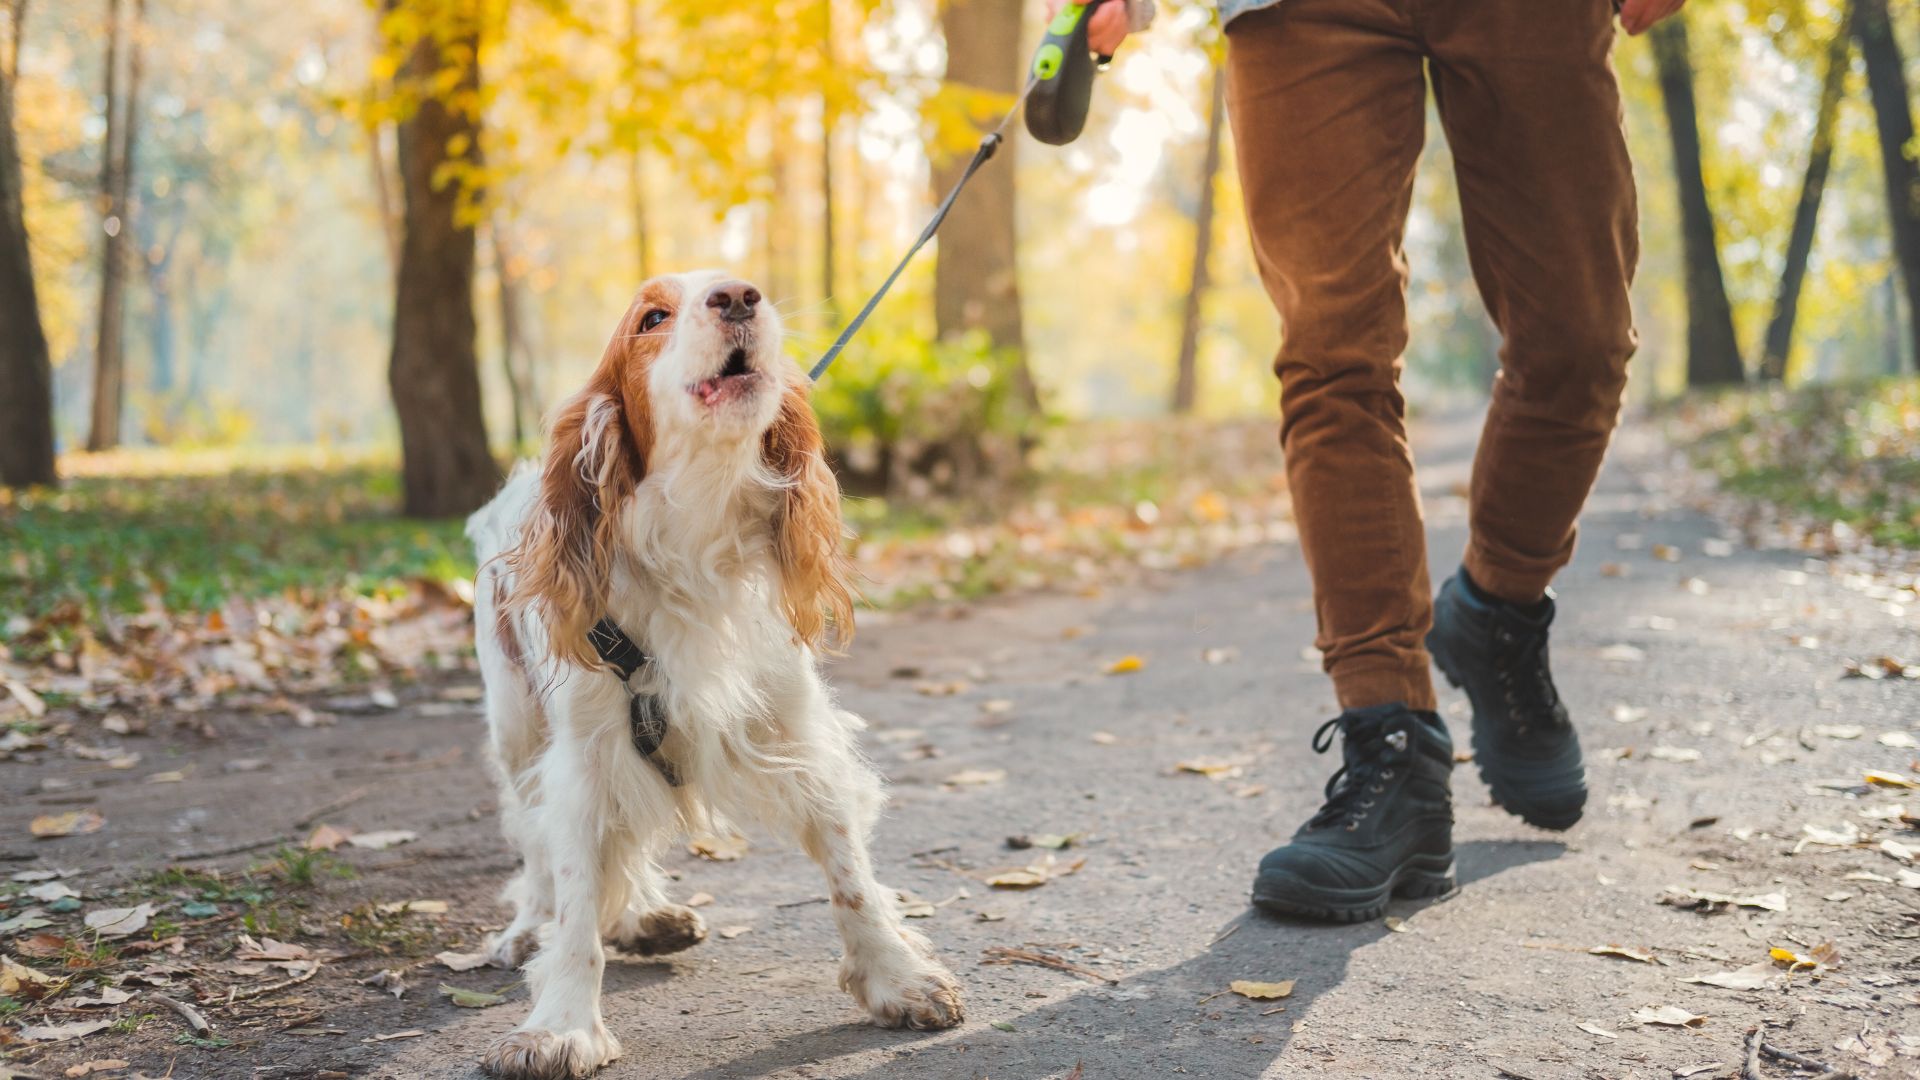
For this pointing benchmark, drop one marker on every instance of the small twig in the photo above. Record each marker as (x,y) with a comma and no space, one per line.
(261,991)
(237,849)
(1828,1072)
(1751,1070)
(341,803)
(934,851)
(187,1012)
(1001,954)
(1227,933)
(803,903)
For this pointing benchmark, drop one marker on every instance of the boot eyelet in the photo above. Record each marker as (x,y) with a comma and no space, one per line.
(1376,788)
(1353,825)
(1361,816)
(1368,804)
(1387,774)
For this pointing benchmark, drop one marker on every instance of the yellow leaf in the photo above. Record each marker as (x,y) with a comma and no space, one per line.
(718,848)
(976,777)
(1262,991)
(1126,665)
(1888,779)
(71,823)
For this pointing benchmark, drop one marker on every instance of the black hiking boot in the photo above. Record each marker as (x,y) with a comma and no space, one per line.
(1523,742)
(1387,827)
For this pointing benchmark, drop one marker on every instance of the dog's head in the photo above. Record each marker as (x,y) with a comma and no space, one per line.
(695,366)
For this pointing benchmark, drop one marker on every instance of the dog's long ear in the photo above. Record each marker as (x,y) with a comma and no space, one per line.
(808,539)
(564,561)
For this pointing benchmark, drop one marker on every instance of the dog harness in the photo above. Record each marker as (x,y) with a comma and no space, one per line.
(646,715)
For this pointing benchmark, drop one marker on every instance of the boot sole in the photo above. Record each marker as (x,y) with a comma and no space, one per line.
(1419,877)
(1504,796)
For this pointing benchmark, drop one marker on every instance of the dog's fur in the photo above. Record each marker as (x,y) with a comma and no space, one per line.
(685,495)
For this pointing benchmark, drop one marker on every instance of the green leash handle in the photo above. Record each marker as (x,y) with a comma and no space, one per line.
(1063,71)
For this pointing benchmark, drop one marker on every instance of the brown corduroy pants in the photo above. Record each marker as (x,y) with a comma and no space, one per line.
(1328,104)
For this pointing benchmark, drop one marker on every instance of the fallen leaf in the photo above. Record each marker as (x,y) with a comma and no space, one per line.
(1105,738)
(71,823)
(728,933)
(1668,1016)
(392,980)
(1596,1029)
(1677,754)
(470,999)
(976,777)
(1002,1025)
(1899,740)
(326,838)
(1699,900)
(1793,960)
(1398,925)
(1839,731)
(119,922)
(52,890)
(1890,779)
(1847,835)
(1262,991)
(1625,953)
(1628,714)
(1897,850)
(952,688)
(29,919)
(19,980)
(1126,665)
(109,995)
(996,706)
(1220,656)
(61,1032)
(1213,768)
(1623,654)
(88,1067)
(41,946)
(30,701)
(459,961)
(718,848)
(1696,1070)
(700,899)
(914,907)
(1666,552)
(1756,976)
(1018,879)
(418,907)
(382,840)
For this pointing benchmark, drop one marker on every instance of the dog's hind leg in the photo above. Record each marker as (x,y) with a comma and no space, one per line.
(648,925)
(831,803)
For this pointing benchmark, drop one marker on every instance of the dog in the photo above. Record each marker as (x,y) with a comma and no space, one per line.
(684,498)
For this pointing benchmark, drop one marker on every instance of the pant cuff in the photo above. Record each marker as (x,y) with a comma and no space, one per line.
(1513,586)
(1411,685)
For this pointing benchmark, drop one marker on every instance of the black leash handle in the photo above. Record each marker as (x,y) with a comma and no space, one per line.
(988,144)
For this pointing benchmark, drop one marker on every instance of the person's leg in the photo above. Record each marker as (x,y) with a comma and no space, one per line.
(1327,100)
(1532,113)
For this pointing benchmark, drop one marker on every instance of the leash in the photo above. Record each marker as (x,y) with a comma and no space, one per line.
(1056,96)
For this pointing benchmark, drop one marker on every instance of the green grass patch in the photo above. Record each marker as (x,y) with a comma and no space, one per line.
(1846,453)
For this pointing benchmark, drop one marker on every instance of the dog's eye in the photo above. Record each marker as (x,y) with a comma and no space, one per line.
(653,318)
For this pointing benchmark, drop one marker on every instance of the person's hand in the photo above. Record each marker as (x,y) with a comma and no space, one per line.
(1638,16)
(1108,28)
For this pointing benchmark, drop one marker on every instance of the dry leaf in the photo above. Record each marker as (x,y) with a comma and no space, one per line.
(61,1032)
(19,980)
(1213,768)
(470,999)
(1839,731)
(1890,779)
(1220,656)
(914,907)
(1900,740)
(419,907)
(326,838)
(1757,976)
(1700,900)
(119,922)
(1596,1029)
(717,848)
(1126,665)
(457,961)
(51,891)
(1105,738)
(728,933)
(381,841)
(71,823)
(1625,953)
(1262,991)
(700,899)
(1398,925)
(1677,754)
(1028,878)
(86,1068)
(976,777)
(1623,654)
(1668,1016)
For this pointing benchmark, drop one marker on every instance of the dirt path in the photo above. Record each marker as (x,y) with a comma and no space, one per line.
(1734,654)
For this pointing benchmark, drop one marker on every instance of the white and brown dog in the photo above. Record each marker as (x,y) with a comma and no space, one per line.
(686,498)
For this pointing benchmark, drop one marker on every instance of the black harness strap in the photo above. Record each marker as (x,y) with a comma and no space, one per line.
(646,717)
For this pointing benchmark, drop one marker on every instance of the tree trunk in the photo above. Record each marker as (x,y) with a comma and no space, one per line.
(1186,381)
(26,372)
(1713,352)
(515,356)
(116,187)
(1793,273)
(976,282)
(1893,116)
(382,177)
(446,467)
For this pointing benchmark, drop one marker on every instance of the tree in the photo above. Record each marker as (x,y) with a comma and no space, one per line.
(1806,213)
(116,187)
(434,372)
(1713,352)
(26,372)
(976,274)
(1893,118)
(1186,382)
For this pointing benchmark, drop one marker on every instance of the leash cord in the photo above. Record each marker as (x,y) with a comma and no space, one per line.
(988,145)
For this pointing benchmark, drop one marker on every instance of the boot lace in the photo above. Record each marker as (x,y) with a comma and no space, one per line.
(1353,789)
(1520,666)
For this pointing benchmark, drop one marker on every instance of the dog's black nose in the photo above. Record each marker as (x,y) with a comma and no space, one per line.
(734,300)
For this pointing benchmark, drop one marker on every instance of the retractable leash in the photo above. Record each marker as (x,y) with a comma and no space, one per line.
(1059,88)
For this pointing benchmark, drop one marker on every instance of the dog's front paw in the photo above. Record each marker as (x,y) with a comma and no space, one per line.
(663,930)
(536,1054)
(919,994)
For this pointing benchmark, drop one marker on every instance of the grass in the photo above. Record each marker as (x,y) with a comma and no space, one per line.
(151,529)
(189,532)
(1843,454)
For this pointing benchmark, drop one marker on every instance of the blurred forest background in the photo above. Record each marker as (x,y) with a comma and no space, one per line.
(288,269)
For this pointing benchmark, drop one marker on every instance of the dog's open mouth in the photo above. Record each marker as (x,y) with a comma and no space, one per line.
(735,379)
